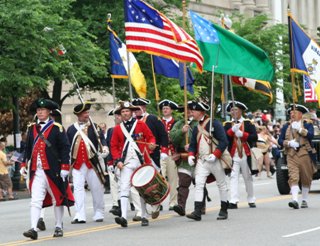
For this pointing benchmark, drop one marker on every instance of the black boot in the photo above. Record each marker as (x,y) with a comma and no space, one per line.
(223,214)
(196,214)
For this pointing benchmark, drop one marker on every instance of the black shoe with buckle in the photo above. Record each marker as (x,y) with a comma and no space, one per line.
(41,225)
(294,204)
(179,210)
(76,221)
(144,222)
(121,221)
(31,234)
(304,204)
(252,205)
(232,206)
(58,232)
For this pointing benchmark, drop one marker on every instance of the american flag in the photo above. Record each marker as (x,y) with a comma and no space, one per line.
(309,92)
(150,31)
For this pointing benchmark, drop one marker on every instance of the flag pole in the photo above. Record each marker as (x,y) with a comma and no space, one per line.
(185,74)
(155,86)
(212,102)
(129,77)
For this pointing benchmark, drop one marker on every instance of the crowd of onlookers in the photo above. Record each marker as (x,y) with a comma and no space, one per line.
(268,131)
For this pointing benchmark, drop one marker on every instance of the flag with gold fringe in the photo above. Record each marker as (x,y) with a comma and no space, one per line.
(304,54)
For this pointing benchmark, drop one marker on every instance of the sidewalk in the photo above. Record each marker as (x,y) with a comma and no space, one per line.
(19,194)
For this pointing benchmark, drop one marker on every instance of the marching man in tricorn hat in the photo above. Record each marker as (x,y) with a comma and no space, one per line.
(242,136)
(296,138)
(84,143)
(208,147)
(130,143)
(47,155)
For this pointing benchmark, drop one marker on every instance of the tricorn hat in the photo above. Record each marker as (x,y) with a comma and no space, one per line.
(44,103)
(125,105)
(198,106)
(78,109)
(237,104)
(297,107)
(140,101)
(168,103)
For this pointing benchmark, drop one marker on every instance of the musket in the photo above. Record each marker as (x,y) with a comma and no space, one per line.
(97,167)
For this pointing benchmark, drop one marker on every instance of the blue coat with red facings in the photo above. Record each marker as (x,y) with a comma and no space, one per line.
(54,159)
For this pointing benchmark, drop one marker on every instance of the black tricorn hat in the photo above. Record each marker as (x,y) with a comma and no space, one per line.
(78,109)
(43,103)
(168,103)
(198,106)
(237,104)
(125,105)
(297,107)
(140,101)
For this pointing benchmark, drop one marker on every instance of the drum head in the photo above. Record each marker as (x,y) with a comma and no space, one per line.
(143,175)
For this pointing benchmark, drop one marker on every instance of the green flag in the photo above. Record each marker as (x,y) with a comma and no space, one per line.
(229,53)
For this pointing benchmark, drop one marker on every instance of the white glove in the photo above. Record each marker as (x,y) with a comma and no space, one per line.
(191,159)
(163,156)
(64,174)
(293,144)
(105,149)
(23,172)
(111,169)
(211,158)
(239,134)
(296,125)
(103,155)
(236,127)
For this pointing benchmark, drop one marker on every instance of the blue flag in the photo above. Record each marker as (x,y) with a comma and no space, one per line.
(118,69)
(171,69)
(304,54)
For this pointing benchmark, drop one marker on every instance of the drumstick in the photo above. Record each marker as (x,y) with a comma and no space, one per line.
(141,142)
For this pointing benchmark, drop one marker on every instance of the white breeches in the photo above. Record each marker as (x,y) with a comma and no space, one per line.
(203,169)
(96,188)
(241,165)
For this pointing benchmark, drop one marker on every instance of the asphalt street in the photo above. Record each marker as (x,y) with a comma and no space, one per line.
(271,223)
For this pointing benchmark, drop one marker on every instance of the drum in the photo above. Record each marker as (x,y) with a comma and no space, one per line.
(152,187)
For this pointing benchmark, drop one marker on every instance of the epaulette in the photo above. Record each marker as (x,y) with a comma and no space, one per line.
(58,125)
(31,124)
(251,121)
(226,122)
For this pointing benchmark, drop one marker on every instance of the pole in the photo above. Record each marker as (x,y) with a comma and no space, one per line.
(211,100)
(232,95)
(113,93)
(156,92)
(185,75)
(129,77)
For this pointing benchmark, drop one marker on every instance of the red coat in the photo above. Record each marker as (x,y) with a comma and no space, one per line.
(118,140)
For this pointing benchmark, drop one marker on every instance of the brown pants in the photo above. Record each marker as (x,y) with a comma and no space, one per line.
(300,169)
(183,189)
